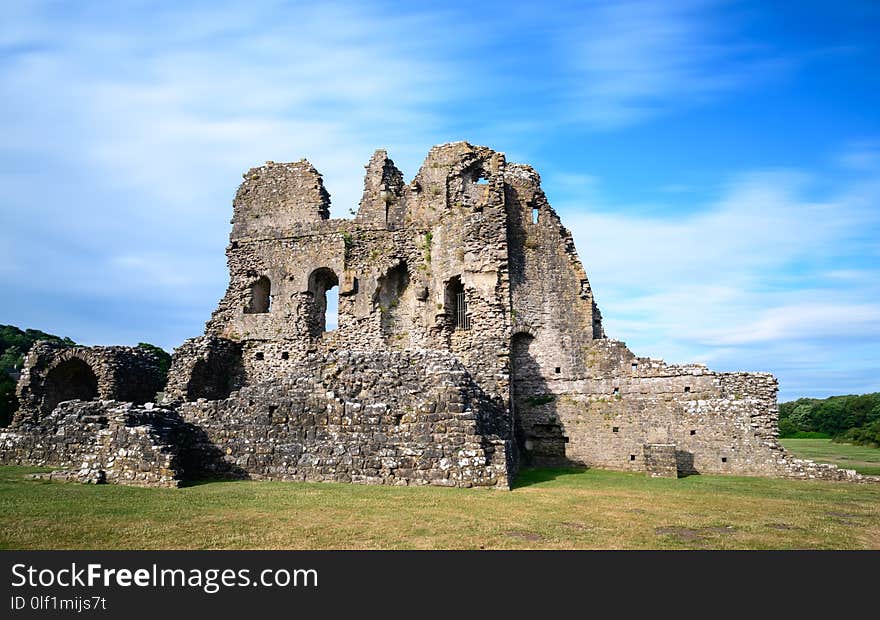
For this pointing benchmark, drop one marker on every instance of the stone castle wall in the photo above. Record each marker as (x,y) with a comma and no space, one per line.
(99,441)
(468,343)
(410,418)
(393,265)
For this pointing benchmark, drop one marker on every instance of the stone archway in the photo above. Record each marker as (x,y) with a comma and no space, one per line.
(71,379)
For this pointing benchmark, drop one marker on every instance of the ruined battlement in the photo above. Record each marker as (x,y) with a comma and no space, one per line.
(275,197)
(469,230)
(467,344)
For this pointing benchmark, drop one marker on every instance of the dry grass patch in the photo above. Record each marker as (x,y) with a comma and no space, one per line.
(548,509)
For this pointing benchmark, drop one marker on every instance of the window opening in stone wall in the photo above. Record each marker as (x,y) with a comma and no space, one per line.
(392,301)
(534,216)
(72,379)
(214,378)
(261,297)
(693,432)
(259,356)
(615,429)
(331,317)
(616,391)
(324,315)
(456,304)
(687,389)
(723,459)
(285,355)
(557,370)
(632,457)
(635,367)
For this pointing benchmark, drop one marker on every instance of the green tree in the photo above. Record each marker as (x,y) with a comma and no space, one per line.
(163,357)
(14,344)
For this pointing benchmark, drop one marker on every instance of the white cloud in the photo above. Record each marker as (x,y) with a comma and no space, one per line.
(126,130)
(633,59)
(748,281)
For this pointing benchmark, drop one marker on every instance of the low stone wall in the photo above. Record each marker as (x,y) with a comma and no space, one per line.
(405,418)
(414,418)
(99,441)
(661,460)
(398,418)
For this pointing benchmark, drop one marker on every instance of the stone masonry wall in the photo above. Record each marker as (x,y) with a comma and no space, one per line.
(53,373)
(99,441)
(469,343)
(411,418)
(393,265)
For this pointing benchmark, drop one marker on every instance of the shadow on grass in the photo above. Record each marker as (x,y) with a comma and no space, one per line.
(206,481)
(529,477)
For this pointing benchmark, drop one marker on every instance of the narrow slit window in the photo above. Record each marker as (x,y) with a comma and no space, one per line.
(456,304)
(534,215)
(632,457)
(324,287)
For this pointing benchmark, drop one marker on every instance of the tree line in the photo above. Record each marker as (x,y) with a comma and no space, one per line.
(852,418)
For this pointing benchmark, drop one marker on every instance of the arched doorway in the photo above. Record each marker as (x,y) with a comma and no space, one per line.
(72,379)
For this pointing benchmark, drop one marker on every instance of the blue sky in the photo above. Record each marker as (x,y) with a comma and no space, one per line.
(717,162)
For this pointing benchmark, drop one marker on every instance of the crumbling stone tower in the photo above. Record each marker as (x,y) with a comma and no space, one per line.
(468,259)
(468,344)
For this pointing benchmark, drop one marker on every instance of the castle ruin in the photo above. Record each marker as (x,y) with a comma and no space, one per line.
(468,345)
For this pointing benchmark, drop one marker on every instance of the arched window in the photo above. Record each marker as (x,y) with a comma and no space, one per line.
(261,297)
(390,301)
(456,304)
(323,285)
(72,379)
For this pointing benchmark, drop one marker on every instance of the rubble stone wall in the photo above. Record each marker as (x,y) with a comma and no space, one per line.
(53,373)
(410,418)
(99,441)
(467,343)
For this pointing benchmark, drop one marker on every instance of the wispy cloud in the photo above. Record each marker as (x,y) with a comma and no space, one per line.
(634,59)
(747,282)
(126,132)
(126,127)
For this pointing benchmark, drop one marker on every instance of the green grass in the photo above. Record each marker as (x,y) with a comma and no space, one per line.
(550,509)
(863,459)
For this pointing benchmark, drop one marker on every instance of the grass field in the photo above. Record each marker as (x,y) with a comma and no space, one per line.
(555,509)
(863,459)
